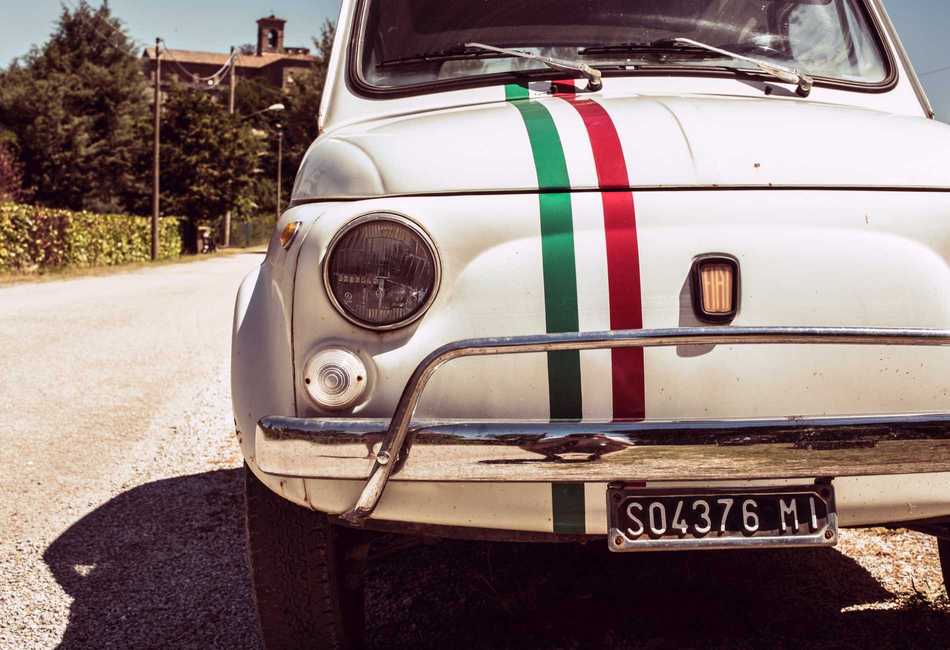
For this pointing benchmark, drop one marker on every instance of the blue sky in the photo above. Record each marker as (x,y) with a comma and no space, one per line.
(217,24)
(212,25)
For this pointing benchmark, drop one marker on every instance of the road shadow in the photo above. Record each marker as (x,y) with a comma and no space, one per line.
(163,565)
(465,595)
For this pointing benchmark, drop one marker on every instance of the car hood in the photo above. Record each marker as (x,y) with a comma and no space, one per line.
(666,142)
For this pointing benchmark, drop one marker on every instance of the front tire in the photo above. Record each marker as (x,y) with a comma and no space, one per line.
(307,573)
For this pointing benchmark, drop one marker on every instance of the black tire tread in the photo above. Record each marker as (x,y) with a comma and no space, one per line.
(298,563)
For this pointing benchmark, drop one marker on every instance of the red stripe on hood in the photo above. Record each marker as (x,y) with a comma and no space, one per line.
(623,253)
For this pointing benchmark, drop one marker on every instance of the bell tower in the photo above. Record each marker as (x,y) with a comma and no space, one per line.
(270,35)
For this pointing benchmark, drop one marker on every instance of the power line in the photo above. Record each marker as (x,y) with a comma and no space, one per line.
(930,72)
(212,80)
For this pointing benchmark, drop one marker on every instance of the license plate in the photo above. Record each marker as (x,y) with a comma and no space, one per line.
(642,520)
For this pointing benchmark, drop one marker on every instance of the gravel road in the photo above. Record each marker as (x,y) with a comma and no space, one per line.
(121,522)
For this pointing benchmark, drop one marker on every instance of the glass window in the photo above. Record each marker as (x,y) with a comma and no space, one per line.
(407,42)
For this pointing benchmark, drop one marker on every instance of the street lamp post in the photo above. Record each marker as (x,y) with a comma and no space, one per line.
(280,164)
(232,79)
(156,144)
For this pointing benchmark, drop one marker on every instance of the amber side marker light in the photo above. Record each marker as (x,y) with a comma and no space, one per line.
(288,234)
(715,288)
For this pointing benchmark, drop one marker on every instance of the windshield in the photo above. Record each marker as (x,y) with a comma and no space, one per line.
(411,42)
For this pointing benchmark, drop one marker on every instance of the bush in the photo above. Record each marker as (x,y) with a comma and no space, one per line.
(33,238)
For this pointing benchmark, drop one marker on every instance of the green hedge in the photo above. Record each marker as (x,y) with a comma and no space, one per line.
(33,238)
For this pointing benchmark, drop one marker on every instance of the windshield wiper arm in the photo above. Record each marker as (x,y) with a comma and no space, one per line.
(788,75)
(594,76)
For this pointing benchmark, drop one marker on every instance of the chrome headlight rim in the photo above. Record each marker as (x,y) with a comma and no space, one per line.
(404,221)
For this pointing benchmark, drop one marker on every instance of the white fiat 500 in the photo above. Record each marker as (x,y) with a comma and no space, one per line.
(670,273)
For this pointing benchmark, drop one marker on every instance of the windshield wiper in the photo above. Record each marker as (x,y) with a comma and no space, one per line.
(688,46)
(594,76)
(661,46)
(803,81)
(483,51)
(460,52)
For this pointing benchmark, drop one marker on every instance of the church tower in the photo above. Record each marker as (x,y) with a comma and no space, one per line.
(270,35)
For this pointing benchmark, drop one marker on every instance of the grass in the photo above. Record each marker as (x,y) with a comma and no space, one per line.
(51,275)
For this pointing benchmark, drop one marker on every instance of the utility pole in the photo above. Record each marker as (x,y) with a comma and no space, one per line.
(280,164)
(232,78)
(156,147)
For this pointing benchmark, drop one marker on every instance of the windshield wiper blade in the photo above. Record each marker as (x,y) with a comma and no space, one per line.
(661,46)
(594,76)
(788,75)
(461,52)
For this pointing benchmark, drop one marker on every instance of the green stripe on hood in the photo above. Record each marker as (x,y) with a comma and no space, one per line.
(557,251)
(560,286)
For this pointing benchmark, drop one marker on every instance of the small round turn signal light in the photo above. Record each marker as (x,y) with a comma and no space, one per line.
(335,378)
(289,233)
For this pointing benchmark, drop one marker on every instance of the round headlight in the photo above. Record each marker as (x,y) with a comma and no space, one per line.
(381,271)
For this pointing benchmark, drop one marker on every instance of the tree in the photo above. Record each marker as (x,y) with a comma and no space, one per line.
(208,158)
(11,176)
(252,95)
(78,111)
(298,120)
(303,103)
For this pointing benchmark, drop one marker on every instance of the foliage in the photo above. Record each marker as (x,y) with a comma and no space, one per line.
(78,111)
(77,114)
(11,176)
(208,156)
(37,238)
(251,95)
(298,121)
(303,104)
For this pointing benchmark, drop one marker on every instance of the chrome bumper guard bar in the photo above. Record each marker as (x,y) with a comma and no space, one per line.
(791,447)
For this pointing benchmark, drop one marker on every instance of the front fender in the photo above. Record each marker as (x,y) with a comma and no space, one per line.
(261,357)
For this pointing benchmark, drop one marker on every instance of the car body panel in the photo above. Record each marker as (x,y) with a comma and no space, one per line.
(806,258)
(685,141)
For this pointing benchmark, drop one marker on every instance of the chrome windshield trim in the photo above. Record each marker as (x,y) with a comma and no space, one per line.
(891,31)
(395,438)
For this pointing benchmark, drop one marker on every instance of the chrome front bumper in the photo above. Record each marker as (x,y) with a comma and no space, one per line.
(792,447)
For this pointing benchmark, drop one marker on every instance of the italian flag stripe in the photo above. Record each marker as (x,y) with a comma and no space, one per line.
(568,508)
(623,255)
(557,251)
(560,274)
(560,286)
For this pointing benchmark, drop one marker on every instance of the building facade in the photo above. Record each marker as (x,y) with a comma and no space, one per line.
(272,63)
